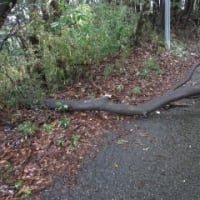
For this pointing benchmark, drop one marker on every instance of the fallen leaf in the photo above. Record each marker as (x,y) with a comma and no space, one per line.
(122,141)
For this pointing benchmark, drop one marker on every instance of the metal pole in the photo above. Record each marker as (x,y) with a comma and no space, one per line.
(167,23)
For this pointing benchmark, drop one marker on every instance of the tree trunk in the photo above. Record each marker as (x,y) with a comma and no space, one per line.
(188,11)
(162,14)
(175,10)
(143,18)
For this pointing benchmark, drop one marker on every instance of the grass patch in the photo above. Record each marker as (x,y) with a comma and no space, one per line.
(150,65)
(27,128)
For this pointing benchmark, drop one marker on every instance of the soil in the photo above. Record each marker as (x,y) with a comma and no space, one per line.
(28,165)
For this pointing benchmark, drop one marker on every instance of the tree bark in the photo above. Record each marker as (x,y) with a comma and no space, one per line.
(188,10)
(162,14)
(143,18)
(104,104)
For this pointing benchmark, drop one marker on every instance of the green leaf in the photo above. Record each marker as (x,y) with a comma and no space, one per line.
(18,184)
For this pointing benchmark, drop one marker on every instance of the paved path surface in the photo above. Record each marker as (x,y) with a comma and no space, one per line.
(158,159)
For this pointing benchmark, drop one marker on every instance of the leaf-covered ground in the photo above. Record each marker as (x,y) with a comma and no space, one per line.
(60,141)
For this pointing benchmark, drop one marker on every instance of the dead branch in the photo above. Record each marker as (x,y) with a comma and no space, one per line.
(104,103)
(187,77)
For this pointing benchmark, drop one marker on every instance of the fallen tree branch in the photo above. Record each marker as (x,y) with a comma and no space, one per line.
(187,77)
(104,104)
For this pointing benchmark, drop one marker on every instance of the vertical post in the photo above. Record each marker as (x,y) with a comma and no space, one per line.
(167,23)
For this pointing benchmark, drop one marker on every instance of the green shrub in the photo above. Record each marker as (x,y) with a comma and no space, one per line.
(108,71)
(17,84)
(47,128)
(18,184)
(179,49)
(64,122)
(83,35)
(75,141)
(27,128)
(61,142)
(137,90)
(150,65)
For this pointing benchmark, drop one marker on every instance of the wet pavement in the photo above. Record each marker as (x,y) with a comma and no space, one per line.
(157,159)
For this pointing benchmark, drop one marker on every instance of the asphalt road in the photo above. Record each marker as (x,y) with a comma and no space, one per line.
(157,159)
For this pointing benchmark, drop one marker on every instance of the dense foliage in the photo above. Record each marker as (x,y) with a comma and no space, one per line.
(46,55)
(45,46)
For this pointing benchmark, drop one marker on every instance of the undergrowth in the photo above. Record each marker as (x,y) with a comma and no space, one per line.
(62,50)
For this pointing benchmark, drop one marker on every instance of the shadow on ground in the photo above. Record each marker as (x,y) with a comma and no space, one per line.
(158,159)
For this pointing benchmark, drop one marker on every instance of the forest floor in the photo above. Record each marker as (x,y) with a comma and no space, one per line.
(63,140)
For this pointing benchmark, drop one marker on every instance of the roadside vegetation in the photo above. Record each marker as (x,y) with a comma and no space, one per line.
(61,51)
(78,51)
